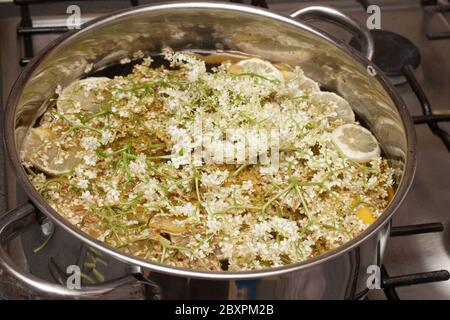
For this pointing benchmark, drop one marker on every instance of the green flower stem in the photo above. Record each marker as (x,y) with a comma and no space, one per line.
(239,170)
(42,246)
(78,126)
(275,197)
(302,199)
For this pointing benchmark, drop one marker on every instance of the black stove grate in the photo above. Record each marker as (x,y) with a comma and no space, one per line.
(388,283)
(428,116)
(25,29)
(432,8)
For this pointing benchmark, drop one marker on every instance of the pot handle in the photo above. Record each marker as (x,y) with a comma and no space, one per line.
(18,282)
(338,18)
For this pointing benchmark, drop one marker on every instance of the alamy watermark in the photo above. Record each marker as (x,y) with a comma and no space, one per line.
(374,20)
(73,281)
(373,281)
(231,146)
(73,21)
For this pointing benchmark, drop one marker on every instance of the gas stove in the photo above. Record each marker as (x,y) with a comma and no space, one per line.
(412,48)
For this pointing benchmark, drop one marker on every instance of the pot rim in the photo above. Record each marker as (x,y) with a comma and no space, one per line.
(43,206)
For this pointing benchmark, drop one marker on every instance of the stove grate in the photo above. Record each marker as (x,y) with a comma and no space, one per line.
(432,8)
(25,29)
(389,283)
(427,110)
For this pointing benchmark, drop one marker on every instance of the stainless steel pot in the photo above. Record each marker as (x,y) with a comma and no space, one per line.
(338,274)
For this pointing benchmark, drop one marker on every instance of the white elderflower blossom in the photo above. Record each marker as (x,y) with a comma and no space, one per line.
(90,159)
(86,195)
(112,197)
(89,143)
(206,168)
(215,178)
(260,230)
(83,183)
(107,137)
(138,167)
(187,209)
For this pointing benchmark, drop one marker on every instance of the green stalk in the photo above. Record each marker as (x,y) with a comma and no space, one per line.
(275,197)
(197,190)
(79,126)
(247,207)
(254,75)
(89,265)
(87,278)
(98,275)
(242,167)
(42,246)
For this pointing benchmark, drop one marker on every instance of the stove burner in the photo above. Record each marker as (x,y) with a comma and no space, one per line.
(392,52)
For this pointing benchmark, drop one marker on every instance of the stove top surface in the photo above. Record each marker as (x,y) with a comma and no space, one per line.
(427,201)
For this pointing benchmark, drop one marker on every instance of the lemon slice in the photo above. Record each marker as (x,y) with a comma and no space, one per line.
(43,153)
(287,75)
(308,84)
(366,215)
(356,143)
(304,83)
(261,67)
(332,100)
(392,135)
(81,94)
(167,224)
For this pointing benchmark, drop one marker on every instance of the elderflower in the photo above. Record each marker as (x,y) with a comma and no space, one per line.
(170,163)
